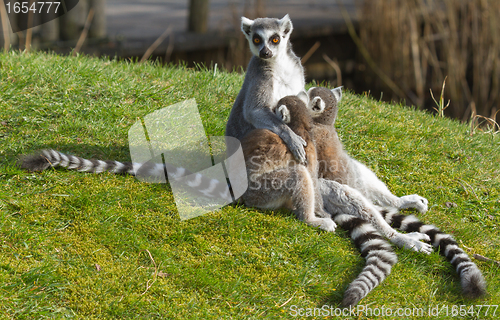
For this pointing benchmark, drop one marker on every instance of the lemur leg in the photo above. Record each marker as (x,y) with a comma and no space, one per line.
(304,196)
(376,191)
(292,188)
(342,199)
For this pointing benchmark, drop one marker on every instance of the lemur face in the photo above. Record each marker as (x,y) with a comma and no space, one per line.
(323,104)
(267,37)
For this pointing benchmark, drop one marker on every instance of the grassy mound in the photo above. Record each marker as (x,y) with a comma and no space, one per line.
(107,246)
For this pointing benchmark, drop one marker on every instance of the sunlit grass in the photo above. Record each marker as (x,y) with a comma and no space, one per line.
(106,246)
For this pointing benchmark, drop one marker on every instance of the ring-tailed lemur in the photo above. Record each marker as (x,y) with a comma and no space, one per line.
(276,180)
(268,161)
(349,179)
(349,209)
(273,73)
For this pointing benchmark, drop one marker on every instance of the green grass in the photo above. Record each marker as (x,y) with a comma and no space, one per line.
(79,245)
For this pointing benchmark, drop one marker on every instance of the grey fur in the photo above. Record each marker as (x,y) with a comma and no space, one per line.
(357,186)
(323,106)
(48,158)
(253,110)
(267,81)
(374,248)
(351,205)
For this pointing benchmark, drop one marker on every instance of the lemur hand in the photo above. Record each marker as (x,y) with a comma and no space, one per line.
(296,145)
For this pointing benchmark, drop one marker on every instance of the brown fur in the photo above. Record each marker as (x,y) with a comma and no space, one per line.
(266,145)
(276,179)
(333,161)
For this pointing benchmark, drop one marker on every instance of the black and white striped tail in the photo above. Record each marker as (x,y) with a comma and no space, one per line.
(48,158)
(375,249)
(471,278)
(45,159)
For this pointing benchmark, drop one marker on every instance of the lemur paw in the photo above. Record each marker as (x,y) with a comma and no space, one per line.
(418,236)
(414,201)
(328,225)
(412,241)
(296,145)
(325,224)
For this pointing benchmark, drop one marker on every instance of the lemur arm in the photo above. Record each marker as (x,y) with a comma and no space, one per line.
(262,117)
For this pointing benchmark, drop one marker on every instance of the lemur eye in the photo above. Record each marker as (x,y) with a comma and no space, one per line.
(275,39)
(256,40)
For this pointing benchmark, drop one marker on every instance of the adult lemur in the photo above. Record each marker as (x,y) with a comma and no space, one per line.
(274,72)
(346,177)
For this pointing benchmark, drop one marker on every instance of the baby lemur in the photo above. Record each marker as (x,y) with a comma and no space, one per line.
(276,179)
(346,176)
(335,164)
(350,177)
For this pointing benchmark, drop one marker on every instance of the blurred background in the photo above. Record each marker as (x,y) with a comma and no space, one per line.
(400,50)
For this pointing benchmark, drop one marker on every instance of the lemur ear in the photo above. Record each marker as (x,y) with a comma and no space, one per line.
(283,113)
(303,96)
(286,24)
(246,25)
(317,105)
(337,92)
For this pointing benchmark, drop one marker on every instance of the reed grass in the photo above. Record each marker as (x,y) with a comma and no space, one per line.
(418,43)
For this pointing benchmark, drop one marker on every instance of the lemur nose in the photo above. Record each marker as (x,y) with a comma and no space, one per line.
(265,53)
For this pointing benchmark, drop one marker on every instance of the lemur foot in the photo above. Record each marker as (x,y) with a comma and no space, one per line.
(412,241)
(325,224)
(414,201)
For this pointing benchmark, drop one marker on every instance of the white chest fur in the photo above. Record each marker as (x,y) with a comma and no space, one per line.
(288,79)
